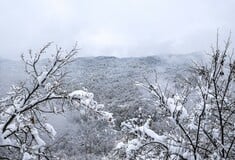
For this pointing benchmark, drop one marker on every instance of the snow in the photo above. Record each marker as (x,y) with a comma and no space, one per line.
(55,110)
(158,138)
(85,98)
(176,107)
(81,94)
(18,102)
(27,156)
(142,133)
(171,105)
(4,141)
(155,136)
(41,78)
(10,128)
(215,133)
(50,129)
(48,86)
(132,145)
(9,111)
(188,155)
(107,116)
(40,142)
(183,112)
(120,145)
(192,126)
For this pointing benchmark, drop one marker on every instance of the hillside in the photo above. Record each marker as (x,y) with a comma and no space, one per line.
(112,80)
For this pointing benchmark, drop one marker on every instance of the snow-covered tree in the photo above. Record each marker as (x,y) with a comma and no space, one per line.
(198,117)
(88,139)
(24,130)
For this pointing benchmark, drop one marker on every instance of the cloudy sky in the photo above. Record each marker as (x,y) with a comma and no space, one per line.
(114,27)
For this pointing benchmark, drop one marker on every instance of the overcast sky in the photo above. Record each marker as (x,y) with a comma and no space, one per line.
(114,27)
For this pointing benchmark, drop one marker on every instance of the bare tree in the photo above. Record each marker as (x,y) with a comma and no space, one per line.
(22,112)
(200,115)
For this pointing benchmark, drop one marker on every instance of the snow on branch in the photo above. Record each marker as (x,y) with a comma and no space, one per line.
(22,120)
(199,116)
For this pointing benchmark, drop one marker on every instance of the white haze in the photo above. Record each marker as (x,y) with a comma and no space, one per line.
(114,28)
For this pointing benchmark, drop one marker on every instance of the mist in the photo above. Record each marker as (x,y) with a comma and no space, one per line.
(121,28)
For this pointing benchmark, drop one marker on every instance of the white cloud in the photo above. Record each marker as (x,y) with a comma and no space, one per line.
(117,27)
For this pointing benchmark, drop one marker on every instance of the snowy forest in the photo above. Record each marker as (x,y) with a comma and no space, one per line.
(117,80)
(170,107)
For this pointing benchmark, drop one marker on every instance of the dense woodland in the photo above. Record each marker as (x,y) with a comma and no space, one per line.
(169,107)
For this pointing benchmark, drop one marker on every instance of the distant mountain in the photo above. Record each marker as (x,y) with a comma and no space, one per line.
(111,79)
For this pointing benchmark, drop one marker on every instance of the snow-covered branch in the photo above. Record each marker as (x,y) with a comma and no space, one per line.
(22,112)
(199,115)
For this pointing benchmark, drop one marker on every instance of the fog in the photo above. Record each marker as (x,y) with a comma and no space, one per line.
(122,28)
